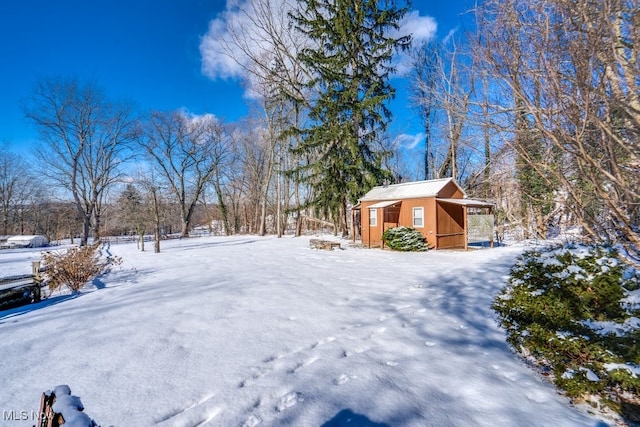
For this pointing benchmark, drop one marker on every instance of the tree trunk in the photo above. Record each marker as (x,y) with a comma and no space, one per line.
(86,227)
(184,232)
(156,212)
(222,205)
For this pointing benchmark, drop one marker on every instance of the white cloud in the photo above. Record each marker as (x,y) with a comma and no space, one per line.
(216,62)
(240,40)
(193,117)
(408,142)
(421,29)
(237,38)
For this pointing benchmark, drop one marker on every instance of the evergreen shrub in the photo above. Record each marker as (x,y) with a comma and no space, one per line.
(404,239)
(573,311)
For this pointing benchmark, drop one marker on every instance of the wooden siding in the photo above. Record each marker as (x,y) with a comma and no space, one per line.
(451,191)
(397,216)
(450,226)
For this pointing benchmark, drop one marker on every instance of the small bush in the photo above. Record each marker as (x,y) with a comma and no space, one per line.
(569,310)
(74,267)
(404,239)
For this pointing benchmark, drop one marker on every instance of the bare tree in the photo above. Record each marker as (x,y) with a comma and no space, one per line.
(573,69)
(186,152)
(224,155)
(261,41)
(249,185)
(58,220)
(155,201)
(426,60)
(84,138)
(456,88)
(443,91)
(18,191)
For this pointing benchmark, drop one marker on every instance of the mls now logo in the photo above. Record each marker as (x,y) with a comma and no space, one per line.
(19,416)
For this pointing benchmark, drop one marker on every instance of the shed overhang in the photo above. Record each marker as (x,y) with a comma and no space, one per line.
(470,203)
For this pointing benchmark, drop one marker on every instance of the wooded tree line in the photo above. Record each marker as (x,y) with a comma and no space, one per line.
(534,105)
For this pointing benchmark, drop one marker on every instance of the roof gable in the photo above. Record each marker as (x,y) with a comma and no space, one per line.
(410,190)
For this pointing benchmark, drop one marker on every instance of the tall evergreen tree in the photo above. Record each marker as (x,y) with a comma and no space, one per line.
(353,43)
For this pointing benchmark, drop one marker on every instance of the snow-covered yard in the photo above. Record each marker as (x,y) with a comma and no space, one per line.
(246,331)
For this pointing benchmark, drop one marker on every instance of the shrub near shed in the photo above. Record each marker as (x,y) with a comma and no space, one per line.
(404,239)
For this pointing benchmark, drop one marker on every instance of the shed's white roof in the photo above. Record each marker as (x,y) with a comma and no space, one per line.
(408,190)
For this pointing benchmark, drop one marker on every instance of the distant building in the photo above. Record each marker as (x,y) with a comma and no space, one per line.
(32,241)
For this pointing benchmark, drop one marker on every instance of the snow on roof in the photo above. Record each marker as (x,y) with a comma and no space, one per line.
(384,204)
(408,190)
(25,238)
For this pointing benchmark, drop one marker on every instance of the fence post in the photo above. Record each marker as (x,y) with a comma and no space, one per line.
(35,270)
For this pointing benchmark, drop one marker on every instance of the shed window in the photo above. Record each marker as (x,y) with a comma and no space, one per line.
(373,217)
(418,217)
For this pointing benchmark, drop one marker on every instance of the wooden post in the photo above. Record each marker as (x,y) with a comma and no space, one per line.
(46,417)
(368,227)
(35,270)
(466,228)
(353,224)
(492,230)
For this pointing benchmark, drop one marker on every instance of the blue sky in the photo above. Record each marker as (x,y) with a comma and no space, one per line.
(146,51)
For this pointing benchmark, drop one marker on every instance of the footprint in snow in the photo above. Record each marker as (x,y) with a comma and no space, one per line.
(302,364)
(386,317)
(349,353)
(537,396)
(196,414)
(324,341)
(269,359)
(354,326)
(342,379)
(509,375)
(256,373)
(252,421)
(288,400)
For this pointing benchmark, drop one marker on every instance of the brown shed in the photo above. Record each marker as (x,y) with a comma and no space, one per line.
(438,208)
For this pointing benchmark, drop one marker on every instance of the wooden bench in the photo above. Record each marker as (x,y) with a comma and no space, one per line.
(324,244)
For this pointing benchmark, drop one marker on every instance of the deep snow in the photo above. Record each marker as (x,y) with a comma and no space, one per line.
(246,331)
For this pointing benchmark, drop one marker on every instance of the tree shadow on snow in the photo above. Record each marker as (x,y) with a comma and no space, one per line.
(23,309)
(99,284)
(348,418)
(201,245)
